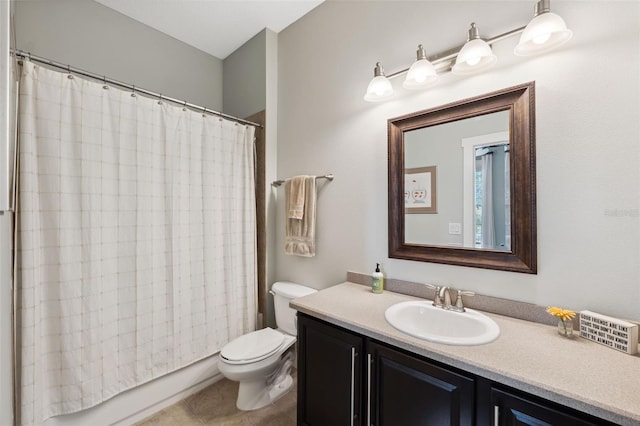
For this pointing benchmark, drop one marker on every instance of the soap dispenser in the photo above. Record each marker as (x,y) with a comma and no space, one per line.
(377,280)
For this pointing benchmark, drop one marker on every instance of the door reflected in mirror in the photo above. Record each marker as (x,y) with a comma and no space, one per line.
(491,208)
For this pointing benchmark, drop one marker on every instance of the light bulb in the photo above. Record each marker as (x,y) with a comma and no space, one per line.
(473,61)
(542,38)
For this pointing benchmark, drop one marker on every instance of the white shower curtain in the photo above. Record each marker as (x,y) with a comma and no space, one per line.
(488,220)
(136,240)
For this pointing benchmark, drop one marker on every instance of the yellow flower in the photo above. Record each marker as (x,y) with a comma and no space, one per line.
(563,314)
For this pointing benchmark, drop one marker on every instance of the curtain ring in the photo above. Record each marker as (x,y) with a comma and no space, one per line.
(204,112)
(69,76)
(104,80)
(184,108)
(133,91)
(160,99)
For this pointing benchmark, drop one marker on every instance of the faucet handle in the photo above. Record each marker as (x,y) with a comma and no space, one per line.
(459,302)
(437,300)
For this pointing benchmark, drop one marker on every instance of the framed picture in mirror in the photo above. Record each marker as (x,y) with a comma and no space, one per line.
(420,190)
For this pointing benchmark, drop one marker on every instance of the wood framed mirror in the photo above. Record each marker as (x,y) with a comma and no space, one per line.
(462,183)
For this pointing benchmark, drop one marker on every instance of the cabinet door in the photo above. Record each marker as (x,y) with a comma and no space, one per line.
(512,410)
(329,374)
(405,390)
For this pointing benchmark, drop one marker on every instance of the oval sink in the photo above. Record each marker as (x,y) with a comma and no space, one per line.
(423,320)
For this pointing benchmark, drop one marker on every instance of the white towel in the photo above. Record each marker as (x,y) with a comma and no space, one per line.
(295,203)
(300,234)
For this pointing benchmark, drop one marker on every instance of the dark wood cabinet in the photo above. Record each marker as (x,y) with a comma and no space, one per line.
(329,374)
(348,379)
(511,409)
(405,390)
(341,383)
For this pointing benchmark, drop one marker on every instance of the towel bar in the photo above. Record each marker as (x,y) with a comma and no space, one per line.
(281,181)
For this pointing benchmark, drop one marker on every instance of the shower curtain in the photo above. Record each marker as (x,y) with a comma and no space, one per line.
(136,238)
(488,220)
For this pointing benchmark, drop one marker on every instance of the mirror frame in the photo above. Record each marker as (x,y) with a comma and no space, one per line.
(520,101)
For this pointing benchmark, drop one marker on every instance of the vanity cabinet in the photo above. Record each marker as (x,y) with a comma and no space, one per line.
(348,379)
(397,389)
(329,374)
(406,390)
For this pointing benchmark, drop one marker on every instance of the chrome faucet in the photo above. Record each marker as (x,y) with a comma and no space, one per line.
(442,298)
(445,297)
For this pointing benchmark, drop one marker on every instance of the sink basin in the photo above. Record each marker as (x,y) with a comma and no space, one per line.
(423,320)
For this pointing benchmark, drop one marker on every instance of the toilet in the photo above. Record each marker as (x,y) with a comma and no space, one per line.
(261,360)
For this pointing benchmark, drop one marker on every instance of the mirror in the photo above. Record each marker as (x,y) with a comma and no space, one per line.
(462,183)
(472,172)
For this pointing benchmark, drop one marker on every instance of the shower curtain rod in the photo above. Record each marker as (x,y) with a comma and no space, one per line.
(27,55)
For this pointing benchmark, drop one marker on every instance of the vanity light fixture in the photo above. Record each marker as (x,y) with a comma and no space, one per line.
(545,32)
(379,88)
(475,56)
(422,73)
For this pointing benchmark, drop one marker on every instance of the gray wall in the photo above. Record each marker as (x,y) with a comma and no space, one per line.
(244,79)
(90,36)
(587,130)
(250,86)
(436,146)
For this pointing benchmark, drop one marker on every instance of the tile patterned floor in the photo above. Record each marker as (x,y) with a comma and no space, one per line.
(216,405)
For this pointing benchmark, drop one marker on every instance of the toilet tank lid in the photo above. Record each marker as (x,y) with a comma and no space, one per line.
(291,290)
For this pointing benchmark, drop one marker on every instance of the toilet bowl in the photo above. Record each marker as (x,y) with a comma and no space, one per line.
(261,361)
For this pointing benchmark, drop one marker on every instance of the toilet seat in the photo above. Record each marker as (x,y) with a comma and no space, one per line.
(253,347)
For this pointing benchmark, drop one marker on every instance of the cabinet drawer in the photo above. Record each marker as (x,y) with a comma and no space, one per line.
(511,409)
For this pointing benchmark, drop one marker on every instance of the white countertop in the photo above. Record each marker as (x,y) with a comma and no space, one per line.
(528,356)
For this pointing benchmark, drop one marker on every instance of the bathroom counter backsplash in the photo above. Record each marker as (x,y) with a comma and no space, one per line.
(527,355)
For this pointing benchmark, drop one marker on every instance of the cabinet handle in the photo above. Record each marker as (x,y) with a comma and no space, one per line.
(496,415)
(353,380)
(369,361)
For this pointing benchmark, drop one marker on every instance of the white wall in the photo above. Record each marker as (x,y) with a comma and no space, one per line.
(588,151)
(6,375)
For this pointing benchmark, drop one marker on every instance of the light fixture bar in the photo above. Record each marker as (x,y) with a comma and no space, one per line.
(442,60)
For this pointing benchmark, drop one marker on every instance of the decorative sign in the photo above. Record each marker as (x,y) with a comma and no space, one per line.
(612,332)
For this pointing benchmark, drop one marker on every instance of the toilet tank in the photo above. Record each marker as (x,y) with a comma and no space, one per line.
(283,292)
